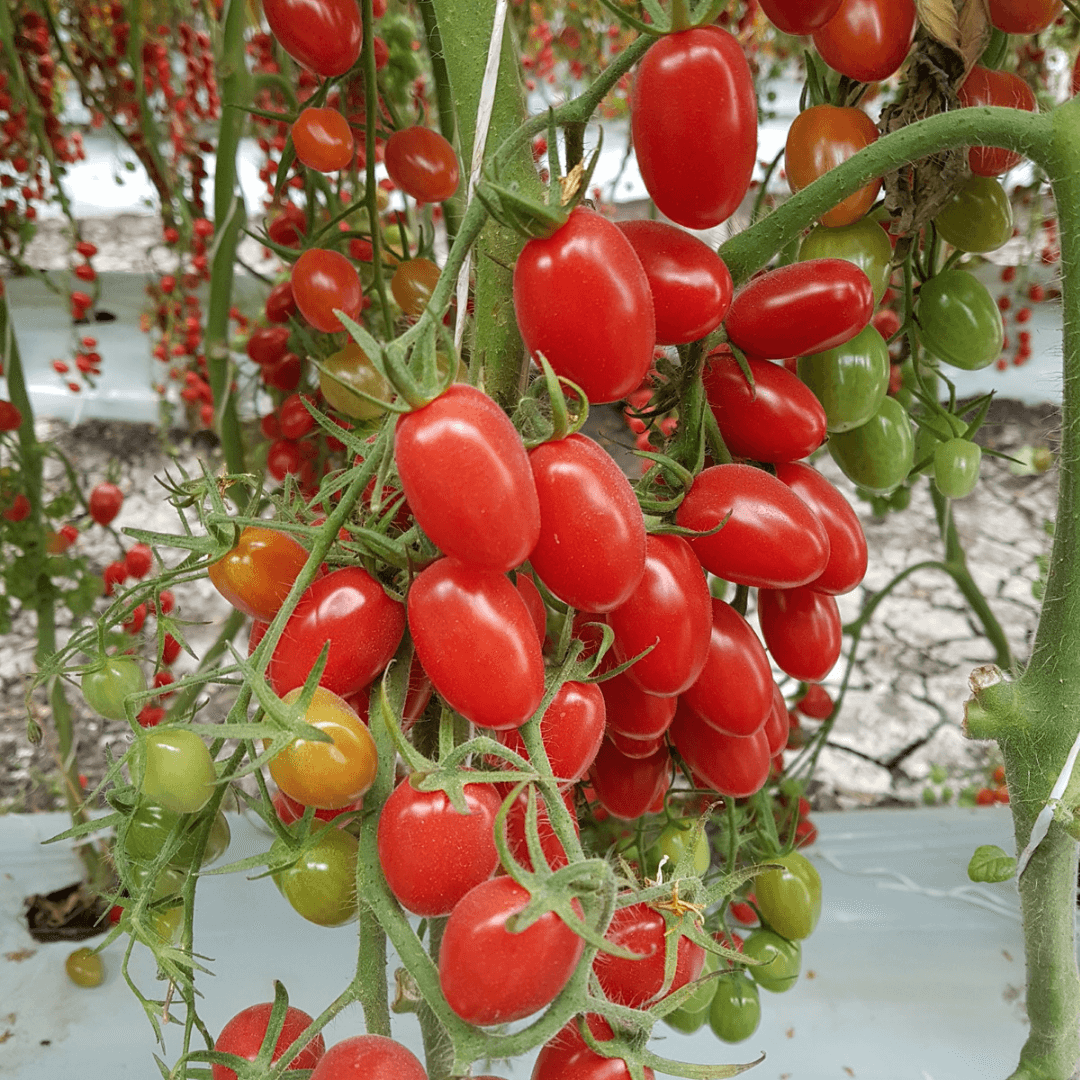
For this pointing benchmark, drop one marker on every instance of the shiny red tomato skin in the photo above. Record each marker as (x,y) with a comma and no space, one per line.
(799,17)
(322,281)
(467,480)
(323,35)
(430,854)
(572,728)
(422,163)
(802,631)
(693,106)
(778,419)
(730,765)
(867,40)
(1024,16)
(476,641)
(257,574)
(491,976)
(733,693)
(369,1057)
(244,1033)
(638,748)
(634,713)
(582,299)
(690,284)
(847,542)
(591,548)
(637,983)
(104,502)
(322,139)
(984,86)
(628,787)
(534,602)
(349,609)
(778,723)
(805,307)
(772,539)
(566,1056)
(670,608)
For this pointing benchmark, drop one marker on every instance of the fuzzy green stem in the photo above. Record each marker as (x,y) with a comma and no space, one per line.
(230,216)
(465,28)
(957,561)
(1013,129)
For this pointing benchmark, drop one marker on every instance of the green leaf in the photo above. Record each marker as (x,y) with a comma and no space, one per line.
(990,863)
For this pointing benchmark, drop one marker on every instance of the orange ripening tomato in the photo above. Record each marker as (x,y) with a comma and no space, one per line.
(327,775)
(322,139)
(413,283)
(422,163)
(822,137)
(257,574)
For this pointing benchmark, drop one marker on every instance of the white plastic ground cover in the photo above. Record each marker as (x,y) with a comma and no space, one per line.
(913,973)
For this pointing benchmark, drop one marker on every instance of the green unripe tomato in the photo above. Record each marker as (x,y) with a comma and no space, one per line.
(150,825)
(168,924)
(956,467)
(934,429)
(322,885)
(106,686)
(85,968)
(790,899)
(673,842)
(877,456)
(701,998)
(176,770)
(780,959)
(978,217)
(351,366)
(736,1008)
(960,321)
(864,243)
(850,381)
(168,883)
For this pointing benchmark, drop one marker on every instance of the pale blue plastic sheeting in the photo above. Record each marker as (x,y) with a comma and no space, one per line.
(912,974)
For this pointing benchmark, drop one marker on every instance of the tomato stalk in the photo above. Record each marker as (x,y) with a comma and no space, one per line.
(229,217)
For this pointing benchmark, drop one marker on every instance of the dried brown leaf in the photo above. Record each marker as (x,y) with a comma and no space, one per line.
(938,17)
(973,19)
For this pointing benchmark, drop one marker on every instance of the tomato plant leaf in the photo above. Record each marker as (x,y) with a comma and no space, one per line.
(991,863)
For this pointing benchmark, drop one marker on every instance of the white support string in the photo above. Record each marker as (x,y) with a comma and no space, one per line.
(483,122)
(1046,814)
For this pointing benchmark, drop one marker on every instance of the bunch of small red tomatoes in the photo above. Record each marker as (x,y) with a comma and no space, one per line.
(532,537)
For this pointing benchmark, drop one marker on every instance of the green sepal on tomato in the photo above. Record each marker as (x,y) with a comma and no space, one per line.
(959,320)
(850,381)
(789,899)
(878,455)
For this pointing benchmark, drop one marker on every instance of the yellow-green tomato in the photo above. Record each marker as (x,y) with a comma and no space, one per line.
(350,366)
(676,837)
(864,243)
(177,769)
(735,1011)
(106,686)
(168,923)
(978,217)
(85,968)
(789,899)
(321,886)
(701,998)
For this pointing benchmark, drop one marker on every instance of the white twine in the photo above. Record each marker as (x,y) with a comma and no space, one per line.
(1046,814)
(483,122)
